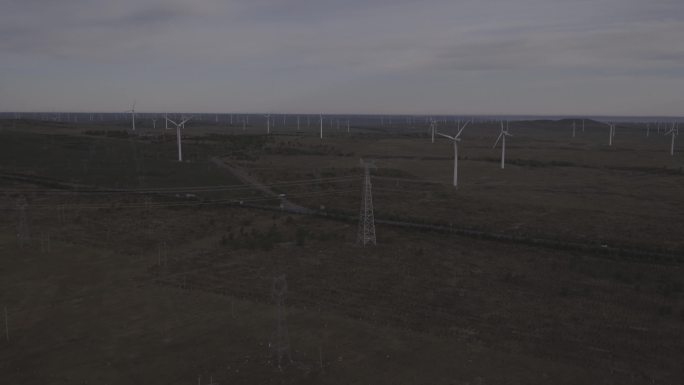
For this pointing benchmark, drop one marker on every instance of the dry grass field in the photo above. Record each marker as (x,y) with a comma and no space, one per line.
(145,285)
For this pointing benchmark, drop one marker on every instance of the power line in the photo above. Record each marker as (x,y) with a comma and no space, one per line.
(146,205)
(218,188)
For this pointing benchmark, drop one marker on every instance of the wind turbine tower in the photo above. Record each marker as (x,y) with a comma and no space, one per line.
(611,134)
(321,116)
(132,111)
(178,136)
(573,128)
(502,136)
(674,131)
(456,138)
(432,129)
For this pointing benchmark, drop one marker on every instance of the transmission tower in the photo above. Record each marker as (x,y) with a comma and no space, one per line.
(280,341)
(366,220)
(23,235)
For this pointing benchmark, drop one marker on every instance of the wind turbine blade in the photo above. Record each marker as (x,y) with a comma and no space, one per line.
(462,128)
(446,136)
(497,139)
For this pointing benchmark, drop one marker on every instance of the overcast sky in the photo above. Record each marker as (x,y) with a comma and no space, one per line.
(567,57)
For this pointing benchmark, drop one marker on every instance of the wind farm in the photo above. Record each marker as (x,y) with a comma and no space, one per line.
(555,217)
(331,192)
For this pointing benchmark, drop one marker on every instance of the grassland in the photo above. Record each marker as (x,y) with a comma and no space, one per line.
(158,287)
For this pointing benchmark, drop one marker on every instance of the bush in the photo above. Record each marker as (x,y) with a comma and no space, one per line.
(300,236)
(664,310)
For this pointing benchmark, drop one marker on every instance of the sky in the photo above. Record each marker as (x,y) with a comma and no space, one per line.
(543,57)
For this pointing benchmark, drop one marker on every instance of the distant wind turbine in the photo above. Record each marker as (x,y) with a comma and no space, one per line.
(432,129)
(178,135)
(268,124)
(573,128)
(611,135)
(502,136)
(132,111)
(456,138)
(674,131)
(321,116)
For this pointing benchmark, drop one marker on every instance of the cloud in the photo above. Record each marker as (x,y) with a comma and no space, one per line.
(242,50)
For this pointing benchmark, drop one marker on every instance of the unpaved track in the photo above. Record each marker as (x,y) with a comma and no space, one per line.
(243,176)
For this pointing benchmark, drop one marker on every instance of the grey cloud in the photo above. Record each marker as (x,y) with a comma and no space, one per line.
(304,46)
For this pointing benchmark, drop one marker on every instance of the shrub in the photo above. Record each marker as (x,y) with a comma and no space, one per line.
(664,310)
(300,236)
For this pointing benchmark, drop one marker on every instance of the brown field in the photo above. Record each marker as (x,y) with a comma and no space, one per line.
(147,288)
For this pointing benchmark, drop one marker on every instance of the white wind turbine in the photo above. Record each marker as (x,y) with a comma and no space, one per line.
(321,116)
(611,134)
(132,111)
(178,135)
(456,138)
(432,129)
(268,124)
(674,131)
(573,128)
(502,136)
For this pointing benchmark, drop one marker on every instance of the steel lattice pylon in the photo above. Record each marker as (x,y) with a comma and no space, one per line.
(280,341)
(366,233)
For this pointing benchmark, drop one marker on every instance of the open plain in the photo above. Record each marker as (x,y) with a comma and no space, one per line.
(119,264)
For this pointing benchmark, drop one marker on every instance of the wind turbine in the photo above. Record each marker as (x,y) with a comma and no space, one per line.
(611,135)
(132,111)
(573,128)
(321,116)
(432,129)
(456,138)
(504,133)
(268,124)
(178,135)
(674,131)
